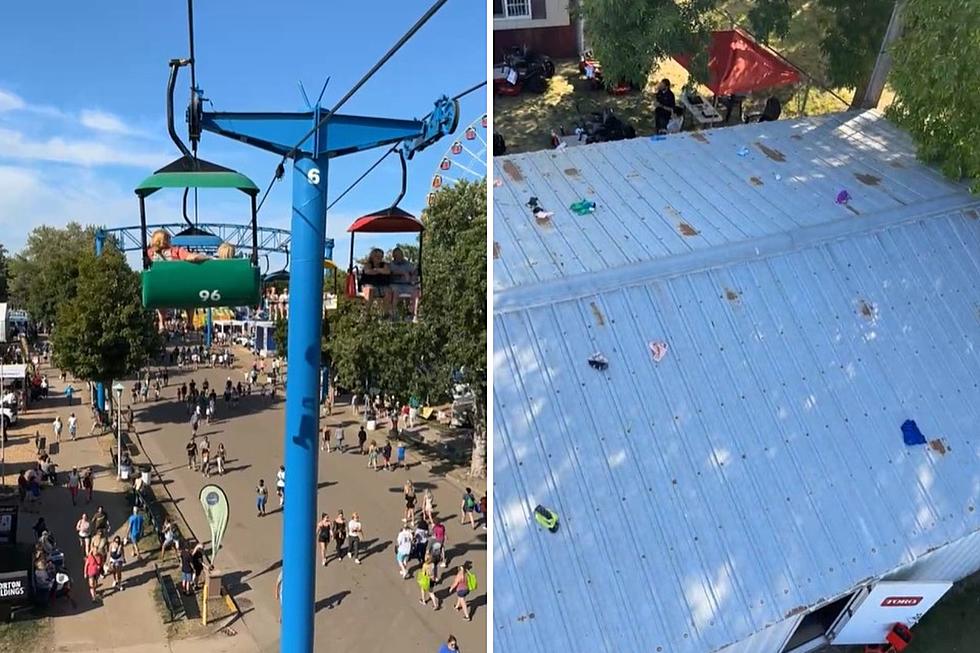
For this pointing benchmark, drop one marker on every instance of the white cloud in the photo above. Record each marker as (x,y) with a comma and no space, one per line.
(82,152)
(10,101)
(106,122)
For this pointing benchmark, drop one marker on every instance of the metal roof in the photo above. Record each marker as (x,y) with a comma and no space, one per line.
(758,468)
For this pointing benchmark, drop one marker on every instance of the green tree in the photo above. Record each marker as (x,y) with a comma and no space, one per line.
(43,275)
(936,75)
(370,351)
(3,274)
(769,18)
(103,332)
(630,36)
(454,299)
(852,41)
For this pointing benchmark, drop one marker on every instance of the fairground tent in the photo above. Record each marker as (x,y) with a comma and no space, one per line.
(739,65)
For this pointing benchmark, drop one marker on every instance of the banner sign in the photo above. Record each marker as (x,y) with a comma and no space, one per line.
(215,504)
(14,586)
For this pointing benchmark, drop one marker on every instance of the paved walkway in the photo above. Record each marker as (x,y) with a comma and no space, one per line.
(365,608)
(89,626)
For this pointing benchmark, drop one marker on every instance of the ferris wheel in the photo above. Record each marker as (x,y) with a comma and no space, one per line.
(466,158)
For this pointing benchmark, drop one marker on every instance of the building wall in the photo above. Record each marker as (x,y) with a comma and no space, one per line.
(544,13)
(556,42)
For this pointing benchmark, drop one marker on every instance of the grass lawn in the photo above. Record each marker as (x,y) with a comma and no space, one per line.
(28,634)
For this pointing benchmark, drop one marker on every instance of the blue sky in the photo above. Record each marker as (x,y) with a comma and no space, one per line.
(82,93)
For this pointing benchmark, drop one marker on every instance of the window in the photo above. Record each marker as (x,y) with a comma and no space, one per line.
(512,8)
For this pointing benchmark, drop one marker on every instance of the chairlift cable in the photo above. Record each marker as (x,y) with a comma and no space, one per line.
(436,6)
(361,178)
(470,90)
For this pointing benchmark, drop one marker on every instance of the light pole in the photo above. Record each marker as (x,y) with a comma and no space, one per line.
(118,388)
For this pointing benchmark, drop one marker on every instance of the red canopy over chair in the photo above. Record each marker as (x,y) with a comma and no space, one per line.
(392,220)
(737,64)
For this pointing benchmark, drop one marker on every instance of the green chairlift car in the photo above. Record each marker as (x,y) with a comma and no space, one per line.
(208,283)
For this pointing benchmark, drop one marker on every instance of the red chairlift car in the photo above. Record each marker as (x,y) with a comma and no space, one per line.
(391,220)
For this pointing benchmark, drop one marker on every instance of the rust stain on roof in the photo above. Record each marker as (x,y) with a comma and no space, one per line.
(571,172)
(513,171)
(496,249)
(600,319)
(543,221)
(938,446)
(867,180)
(687,230)
(772,153)
(755,181)
(867,310)
(732,295)
(698,136)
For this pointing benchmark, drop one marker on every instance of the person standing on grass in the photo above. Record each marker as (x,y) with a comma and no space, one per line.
(135,531)
(261,497)
(354,533)
(424,577)
(339,534)
(88,484)
(468,507)
(186,571)
(323,536)
(463,583)
(361,439)
(281,485)
(197,561)
(84,529)
(74,482)
(117,558)
(403,549)
(191,454)
(57,428)
(72,426)
(170,540)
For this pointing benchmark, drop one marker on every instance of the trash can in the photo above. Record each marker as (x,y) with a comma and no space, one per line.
(145,474)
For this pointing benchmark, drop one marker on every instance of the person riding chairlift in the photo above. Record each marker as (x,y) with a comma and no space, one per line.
(376,277)
(161,249)
(404,280)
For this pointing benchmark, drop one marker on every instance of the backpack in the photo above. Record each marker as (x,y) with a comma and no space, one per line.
(470,581)
(469,501)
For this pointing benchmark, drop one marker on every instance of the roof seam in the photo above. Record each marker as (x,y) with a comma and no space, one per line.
(584,285)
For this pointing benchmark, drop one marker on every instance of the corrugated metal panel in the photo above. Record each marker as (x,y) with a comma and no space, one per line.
(647,189)
(954,562)
(759,468)
(770,640)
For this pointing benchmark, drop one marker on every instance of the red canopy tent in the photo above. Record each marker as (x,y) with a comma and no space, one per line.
(737,64)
